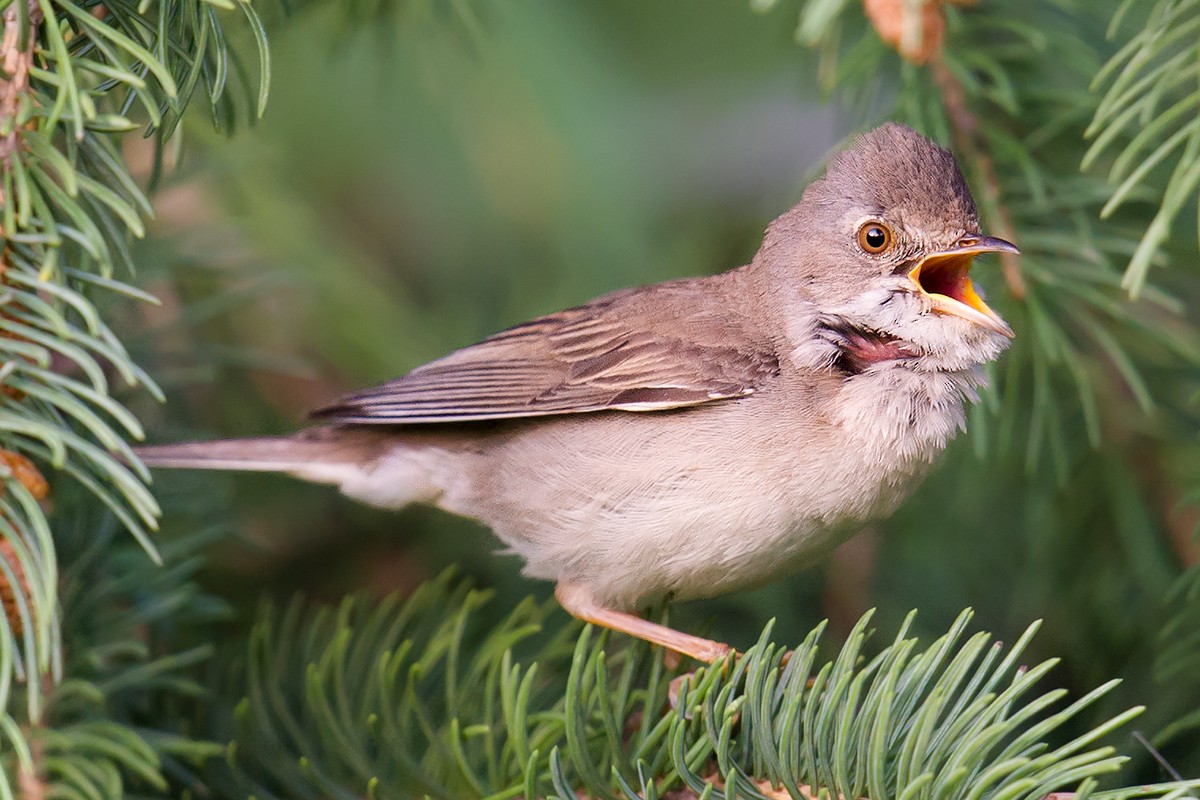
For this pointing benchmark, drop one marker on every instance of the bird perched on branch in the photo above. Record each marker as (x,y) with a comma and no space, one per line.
(698,436)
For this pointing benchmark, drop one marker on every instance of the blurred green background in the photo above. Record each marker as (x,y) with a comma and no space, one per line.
(419,183)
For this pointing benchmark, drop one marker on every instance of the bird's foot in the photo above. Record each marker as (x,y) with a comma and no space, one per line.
(579,602)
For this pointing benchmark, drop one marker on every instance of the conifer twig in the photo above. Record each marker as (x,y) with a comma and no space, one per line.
(965,132)
(29,781)
(14,83)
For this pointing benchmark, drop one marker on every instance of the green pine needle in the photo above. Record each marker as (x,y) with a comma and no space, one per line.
(380,697)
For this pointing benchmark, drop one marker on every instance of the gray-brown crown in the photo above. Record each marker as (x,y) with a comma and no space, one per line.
(893,169)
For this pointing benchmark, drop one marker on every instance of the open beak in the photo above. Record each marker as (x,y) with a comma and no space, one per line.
(943,278)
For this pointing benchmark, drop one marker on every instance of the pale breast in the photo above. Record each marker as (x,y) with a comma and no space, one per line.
(703,501)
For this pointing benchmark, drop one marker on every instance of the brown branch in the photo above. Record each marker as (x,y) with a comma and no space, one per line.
(15,62)
(965,131)
(30,783)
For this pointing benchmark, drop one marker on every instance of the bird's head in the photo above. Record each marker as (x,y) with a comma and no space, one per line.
(883,244)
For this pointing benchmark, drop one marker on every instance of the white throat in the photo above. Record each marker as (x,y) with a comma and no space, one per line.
(903,416)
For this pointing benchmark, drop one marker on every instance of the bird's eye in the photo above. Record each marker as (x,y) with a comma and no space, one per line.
(875,237)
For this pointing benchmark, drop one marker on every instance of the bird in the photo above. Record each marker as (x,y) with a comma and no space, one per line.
(695,437)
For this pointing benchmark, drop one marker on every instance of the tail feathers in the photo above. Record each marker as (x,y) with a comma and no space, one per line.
(280,454)
(365,464)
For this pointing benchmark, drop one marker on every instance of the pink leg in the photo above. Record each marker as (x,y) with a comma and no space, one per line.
(577,600)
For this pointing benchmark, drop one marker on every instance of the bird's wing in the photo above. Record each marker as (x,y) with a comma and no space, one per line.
(575,361)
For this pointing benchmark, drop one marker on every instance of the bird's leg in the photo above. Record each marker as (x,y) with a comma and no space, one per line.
(578,601)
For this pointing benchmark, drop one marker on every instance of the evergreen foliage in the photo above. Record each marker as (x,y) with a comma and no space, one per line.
(387,700)
(114,725)
(76,77)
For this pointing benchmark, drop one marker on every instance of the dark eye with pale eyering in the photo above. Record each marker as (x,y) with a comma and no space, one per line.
(875,237)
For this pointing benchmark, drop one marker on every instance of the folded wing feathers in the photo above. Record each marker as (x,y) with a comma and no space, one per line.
(575,361)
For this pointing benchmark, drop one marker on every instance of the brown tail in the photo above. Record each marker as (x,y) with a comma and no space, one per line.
(274,454)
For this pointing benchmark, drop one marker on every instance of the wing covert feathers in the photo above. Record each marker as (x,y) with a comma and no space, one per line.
(641,350)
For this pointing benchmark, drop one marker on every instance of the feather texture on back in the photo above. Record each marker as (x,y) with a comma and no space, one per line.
(589,358)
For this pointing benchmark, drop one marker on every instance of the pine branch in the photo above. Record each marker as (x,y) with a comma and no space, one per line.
(325,731)
(383,700)
(103,731)
(76,78)
(1149,119)
(1179,658)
